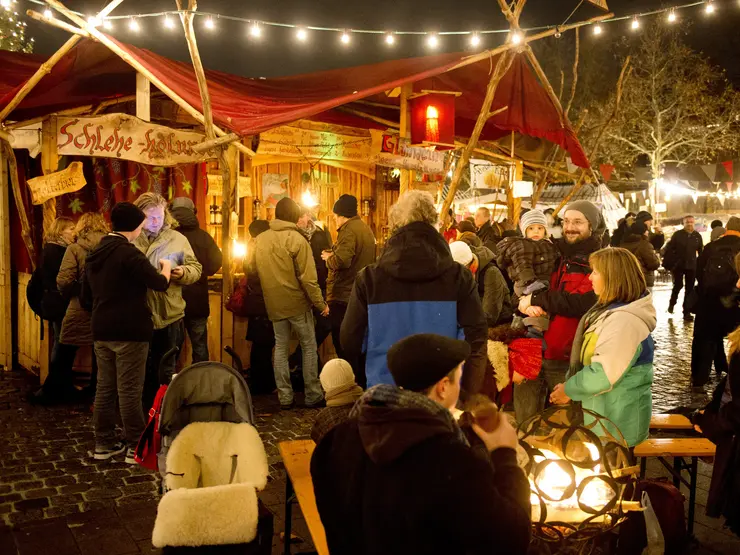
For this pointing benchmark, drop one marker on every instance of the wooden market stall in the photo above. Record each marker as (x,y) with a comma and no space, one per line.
(237,145)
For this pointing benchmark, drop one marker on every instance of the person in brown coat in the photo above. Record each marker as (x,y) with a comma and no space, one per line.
(636,241)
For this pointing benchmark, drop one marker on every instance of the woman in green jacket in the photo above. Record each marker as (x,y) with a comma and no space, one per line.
(611,364)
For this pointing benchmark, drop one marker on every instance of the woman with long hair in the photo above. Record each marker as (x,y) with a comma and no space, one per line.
(719,421)
(76,328)
(611,363)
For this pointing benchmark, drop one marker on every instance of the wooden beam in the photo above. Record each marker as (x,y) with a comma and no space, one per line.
(545,83)
(377,104)
(57,23)
(229,162)
(214,143)
(18,197)
(143,98)
(404,131)
(574,82)
(376,119)
(6,324)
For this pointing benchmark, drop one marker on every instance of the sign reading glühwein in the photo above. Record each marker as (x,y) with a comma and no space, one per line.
(128,138)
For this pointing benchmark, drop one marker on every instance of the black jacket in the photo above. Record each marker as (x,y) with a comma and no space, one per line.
(53,303)
(415,287)
(320,241)
(208,254)
(487,235)
(117,276)
(682,250)
(399,481)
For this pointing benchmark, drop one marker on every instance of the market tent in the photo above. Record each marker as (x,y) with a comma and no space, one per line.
(91,73)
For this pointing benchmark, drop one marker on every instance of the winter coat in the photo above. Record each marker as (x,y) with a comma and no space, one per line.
(208,254)
(643,250)
(320,241)
(327,419)
(526,260)
(716,233)
(415,287)
(682,250)
(713,317)
(720,422)
(617,374)
(657,240)
(287,272)
(354,249)
(168,306)
(398,478)
(76,326)
(117,277)
(569,297)
(488,236)
(619,234)
(492,288)
(53,303)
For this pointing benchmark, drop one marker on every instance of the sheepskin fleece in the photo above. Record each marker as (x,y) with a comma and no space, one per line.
(217,515)
(201,455)
(498,356)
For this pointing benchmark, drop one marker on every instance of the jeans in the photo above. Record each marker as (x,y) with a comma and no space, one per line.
(198,333)
(304,328)
(122,366)
(322,331)
(60,381)
(160,372)
(678,278)
(531,396)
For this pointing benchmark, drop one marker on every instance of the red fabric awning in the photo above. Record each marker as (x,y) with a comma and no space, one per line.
(91,73)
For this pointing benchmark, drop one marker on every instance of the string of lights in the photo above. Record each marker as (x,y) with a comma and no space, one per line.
(256,28)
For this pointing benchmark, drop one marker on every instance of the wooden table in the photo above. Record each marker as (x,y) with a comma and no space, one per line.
(298,485)
(670,422)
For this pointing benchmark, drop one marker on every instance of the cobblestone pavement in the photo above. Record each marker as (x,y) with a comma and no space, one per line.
(54,499)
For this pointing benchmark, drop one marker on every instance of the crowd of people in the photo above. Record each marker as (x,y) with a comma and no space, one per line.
(410,326)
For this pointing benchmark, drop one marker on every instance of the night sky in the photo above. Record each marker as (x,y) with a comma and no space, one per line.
(230,49)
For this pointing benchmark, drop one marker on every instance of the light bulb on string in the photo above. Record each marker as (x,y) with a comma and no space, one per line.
(672,16)
(255,30)
(48,13)
(390,40)
(433,41)
(133,25)
(516,38)
(5,4)
(474,39)
(345,38)
(210,25)
(93,21)
(597,29)
(168,23)
(710,8)
(301,34)
(635,24)
(107,25)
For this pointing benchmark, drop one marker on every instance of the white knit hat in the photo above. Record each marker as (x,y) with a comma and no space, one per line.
(461,253)
(336,373)
(533,217)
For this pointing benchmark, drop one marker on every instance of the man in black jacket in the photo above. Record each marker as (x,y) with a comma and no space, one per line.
(197,307)
(117,277)
(486,231)
(680,258)
(399,476)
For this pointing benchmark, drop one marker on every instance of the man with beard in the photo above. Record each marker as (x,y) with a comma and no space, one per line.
(569,297)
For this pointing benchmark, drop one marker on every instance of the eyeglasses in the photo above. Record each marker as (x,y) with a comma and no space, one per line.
(576,223)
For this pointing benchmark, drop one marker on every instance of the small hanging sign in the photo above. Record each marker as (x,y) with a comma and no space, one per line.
(58,183)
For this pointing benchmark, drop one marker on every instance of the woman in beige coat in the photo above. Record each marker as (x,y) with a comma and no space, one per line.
(76,327)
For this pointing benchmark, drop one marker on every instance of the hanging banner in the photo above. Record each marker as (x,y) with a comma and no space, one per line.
(128,138)
(58,183)
(600,4)
(298,142)
(392,151)
(606,171)
(710,171)
(216,186)
(728,168)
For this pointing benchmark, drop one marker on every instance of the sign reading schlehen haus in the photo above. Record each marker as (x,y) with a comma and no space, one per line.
(126,137)
(58,183)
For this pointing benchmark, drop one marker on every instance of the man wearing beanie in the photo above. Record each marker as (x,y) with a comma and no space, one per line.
(287,274)
(717,312)
(568,298)
(680,258)
(354,249)
(341,393)
(655,233)
(636,241)
(116,280)
(400,468)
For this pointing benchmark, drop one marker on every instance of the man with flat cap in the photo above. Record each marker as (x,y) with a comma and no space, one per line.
(399,477)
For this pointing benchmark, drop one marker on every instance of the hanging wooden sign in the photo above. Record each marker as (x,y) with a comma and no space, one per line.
(299,142)
(58,183)
(128,138)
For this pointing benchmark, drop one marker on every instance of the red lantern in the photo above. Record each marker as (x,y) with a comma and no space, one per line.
(433,119)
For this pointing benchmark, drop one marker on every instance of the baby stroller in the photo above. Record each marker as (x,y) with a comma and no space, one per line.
(212,464)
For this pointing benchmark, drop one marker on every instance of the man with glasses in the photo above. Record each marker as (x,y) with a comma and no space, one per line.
(569,297)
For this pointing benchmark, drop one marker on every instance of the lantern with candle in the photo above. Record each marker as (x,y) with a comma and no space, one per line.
(433,118)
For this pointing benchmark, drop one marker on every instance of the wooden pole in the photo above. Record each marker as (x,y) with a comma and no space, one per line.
(545,83)
(376,119)
(405,132)
(18,197)
(214,143)
(57,23)
(130,60)
(6,324)
(575,75)
(143,98)
(229,162)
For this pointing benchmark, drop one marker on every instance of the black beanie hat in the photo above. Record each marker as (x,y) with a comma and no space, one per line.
(288,210)
(638,228)
(257,227)
(126,216)
(420,361)
(644,216)
(346,206)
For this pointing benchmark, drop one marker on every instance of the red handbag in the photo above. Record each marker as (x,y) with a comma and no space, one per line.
(525,356)
(237,301)
(151,441)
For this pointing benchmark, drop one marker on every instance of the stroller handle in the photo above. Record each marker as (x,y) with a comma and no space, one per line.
(236,359)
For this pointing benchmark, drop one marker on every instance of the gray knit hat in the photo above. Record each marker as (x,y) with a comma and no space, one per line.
(533,217)
(588,209)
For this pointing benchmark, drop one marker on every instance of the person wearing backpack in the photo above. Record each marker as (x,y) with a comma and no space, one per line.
(716,315)
(680,259)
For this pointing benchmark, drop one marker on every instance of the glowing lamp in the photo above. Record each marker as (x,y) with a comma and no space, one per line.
(433,119)
(308,200)
(239,249)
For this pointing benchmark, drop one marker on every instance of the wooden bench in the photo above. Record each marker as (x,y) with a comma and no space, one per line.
(298,485)
(670,422)
(678,448)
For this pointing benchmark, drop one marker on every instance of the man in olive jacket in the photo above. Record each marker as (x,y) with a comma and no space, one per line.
(159,240)
(354,249)
(287,274)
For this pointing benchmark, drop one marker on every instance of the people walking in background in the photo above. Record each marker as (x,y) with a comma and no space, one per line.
(353,251)
(415,287)
(197,306)
(159,240)
(400,467)
(492,288)
(636,241)
(489,235)
(611,370)
(655,232)
(623,227)
(341,393)
(680,257)
(718,230)
(117,279)
(569,297)
(290,286)
(717,312)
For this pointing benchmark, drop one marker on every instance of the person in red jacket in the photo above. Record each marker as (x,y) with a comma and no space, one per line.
(569,297)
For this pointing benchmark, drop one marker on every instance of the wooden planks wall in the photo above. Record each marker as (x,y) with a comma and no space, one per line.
(29,330)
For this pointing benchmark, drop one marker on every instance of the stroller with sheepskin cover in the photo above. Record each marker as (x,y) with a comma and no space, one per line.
(213,463)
